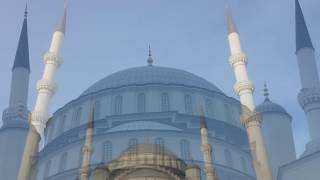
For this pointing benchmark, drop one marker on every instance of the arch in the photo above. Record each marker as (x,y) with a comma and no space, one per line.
(159,142)
(185,149)
(97,109)
(165,102)
(188,104)
(63,162)
(107,151)
(117,107)
(228,113)
(77,117)
(51,131)
(62,124)
(209,107)
(141,103)
(228,157)
(133,142)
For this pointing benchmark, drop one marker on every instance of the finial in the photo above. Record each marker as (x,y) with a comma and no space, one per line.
(231,25)
(26,11)
(266,91)
(150,59)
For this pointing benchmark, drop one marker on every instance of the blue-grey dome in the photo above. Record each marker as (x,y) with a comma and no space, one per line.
(149,75)
(269,106)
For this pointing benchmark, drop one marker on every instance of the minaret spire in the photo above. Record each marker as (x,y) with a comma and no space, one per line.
(249,118)
(150,59)
(206,149)
(22,54)
(61,26)
(231,25)
(302,34)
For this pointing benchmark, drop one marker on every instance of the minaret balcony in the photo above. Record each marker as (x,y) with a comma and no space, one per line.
(52,58)
(17,113)
(238,59)
(243,86)
(309,98)
(45,86)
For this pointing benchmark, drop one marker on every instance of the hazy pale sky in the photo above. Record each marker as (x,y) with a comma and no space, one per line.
(105,36)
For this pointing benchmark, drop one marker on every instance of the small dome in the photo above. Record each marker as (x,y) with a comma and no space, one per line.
(269,106)
(151,75)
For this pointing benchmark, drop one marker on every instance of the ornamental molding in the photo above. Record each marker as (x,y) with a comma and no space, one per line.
(52,58)
(308,96)
(238,59)
(242,86)
(251,119)
(46,86)
(39,120)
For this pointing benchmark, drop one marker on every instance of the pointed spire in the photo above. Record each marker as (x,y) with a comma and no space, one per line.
(203,122)
(150,59)
(22,53)
(231,25)
(91,119)
(266,92)
(61,26)
(302,34)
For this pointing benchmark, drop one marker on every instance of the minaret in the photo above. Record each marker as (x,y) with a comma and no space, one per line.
(46,89)
(309,96)
(206,150)
(17,109)
(87,149)
(15,118)
(244,88)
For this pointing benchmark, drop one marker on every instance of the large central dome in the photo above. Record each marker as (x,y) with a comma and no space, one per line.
(151,75)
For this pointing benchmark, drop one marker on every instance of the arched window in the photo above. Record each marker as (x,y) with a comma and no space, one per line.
(117,105)
(228,158)
(133,145)
(96,107)
(165,102)
(188,104)
(228,113)
(51,131)
(63,162)
(77,117)
(244,164)
(209,107)
(141,103)
(159,142)
(185,149)
(46,171)
(107,151)
(62,124)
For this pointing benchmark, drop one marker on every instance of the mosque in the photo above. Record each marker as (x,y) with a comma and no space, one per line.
(158,123)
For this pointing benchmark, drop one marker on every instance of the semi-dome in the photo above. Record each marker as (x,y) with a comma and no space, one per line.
(269,106)
(151,75)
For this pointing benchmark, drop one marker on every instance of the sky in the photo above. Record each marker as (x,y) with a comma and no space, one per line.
(105,36)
